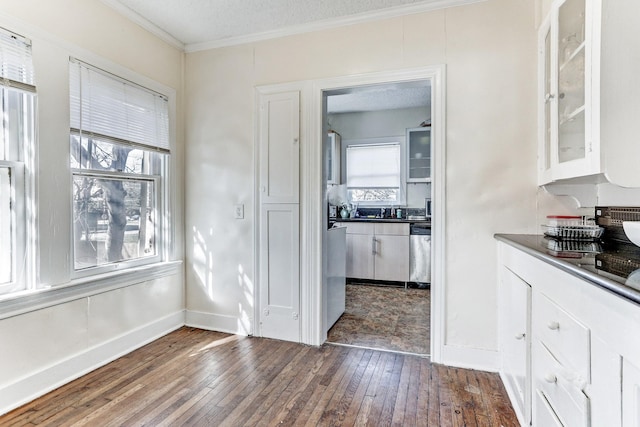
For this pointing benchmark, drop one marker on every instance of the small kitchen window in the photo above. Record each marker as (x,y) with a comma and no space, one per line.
(374,174)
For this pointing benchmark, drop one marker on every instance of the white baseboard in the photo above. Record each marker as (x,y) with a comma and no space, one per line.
(39,383)
(470,358)
(215,322)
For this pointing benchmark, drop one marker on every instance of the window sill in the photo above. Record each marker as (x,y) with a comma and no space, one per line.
(23,302)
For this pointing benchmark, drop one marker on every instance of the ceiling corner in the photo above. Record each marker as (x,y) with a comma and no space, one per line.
(144,23)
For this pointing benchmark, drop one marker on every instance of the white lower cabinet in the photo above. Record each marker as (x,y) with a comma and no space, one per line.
(584,352)
(515,339)
(545,415)
(630,394)
(378,251)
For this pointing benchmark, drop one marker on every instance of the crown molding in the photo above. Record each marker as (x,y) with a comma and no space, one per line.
(392,12)
(325,24)
(144,23)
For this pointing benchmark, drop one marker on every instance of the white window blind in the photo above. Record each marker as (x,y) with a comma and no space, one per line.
(16,64)
(373,166)
(110,107)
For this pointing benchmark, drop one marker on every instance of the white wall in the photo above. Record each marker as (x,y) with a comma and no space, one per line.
(59,333)
(489,50)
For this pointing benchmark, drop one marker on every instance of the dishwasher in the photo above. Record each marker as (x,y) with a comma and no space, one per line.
(420,254)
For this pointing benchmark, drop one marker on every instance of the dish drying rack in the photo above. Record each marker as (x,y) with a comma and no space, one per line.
(572,228)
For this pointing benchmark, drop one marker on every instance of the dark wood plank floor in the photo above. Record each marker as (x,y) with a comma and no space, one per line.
(202,378)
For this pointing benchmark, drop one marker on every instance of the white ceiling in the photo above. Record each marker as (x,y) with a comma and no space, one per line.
(203,24)
(194,25)
(380,97)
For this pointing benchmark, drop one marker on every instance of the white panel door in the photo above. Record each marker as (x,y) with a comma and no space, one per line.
(279,224)
(280,271)
(280,147)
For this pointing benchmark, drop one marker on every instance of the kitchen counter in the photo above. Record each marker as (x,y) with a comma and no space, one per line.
(615,268)
(400,220)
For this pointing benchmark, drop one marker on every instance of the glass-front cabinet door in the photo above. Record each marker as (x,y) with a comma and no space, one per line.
(547,90)
(419,154)
(565,87)
(571,81)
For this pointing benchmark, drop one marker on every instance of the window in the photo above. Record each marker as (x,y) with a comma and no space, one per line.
(119,145)
(17,111)
(374,174)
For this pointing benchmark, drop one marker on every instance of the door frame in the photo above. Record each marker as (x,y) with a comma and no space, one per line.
(313,214)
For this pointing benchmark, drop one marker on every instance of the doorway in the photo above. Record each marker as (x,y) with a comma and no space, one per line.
(428,331)
(375,169)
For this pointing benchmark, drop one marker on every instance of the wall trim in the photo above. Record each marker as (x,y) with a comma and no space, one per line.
(326,24)
(215,322)
(35,385)
(470,358)
(28,301)
(313,204)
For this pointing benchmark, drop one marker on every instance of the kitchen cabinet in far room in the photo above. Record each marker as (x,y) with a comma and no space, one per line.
(333,149)
(378,251)
(418,154)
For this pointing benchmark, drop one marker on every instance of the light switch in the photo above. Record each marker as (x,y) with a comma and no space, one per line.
(239,211)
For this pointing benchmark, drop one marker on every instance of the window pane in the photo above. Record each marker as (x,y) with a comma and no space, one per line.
(100,155)
(374,195)
(114,220)
(6,235)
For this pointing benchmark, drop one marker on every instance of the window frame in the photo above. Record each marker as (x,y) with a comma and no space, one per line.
(18,142)
(161,179)
(400,140)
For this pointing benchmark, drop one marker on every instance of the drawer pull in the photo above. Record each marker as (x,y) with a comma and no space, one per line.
(520,336)
(550,378)
(553,325)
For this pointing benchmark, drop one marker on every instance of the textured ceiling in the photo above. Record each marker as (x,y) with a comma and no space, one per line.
(200,24)
(380,97)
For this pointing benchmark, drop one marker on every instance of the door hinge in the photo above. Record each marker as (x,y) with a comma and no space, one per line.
(265,312)
(295,315)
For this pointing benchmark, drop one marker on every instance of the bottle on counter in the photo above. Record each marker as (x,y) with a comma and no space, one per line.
(399,213)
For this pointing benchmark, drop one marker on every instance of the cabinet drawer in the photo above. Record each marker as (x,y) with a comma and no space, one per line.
(393,229)
(566,398)
(359,228)
(565,337)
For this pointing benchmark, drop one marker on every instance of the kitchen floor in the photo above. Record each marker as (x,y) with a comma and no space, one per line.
(385,318)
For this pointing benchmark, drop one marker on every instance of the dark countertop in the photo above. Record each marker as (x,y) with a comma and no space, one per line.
(400,220)
(616,267)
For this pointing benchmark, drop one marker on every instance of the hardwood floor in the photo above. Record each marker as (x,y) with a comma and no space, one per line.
(202,378)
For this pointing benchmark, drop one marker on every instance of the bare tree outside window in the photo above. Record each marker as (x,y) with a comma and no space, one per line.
(113,213)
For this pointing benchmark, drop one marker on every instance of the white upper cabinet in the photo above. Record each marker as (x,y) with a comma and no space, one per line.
(419,154)
(588,55)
